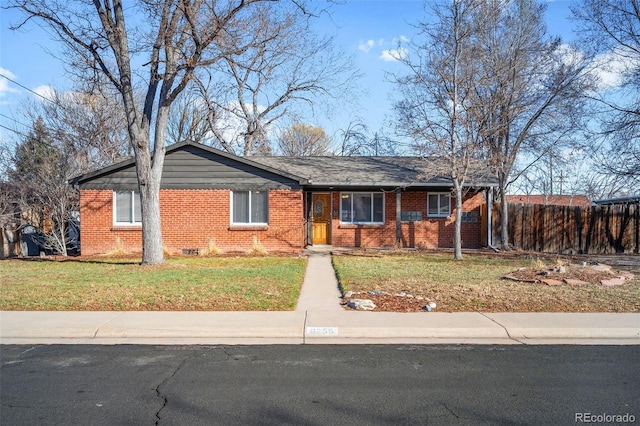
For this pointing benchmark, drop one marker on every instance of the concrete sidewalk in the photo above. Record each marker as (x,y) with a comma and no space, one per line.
(298,327)
(318,318)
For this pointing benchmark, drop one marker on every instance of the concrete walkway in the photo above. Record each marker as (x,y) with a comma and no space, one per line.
(320,291)
(318,318)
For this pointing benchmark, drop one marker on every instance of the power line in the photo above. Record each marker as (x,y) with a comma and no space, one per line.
(14,120)
(13,130)
(29,90)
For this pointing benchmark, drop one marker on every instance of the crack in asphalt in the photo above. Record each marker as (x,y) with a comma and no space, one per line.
(160,395)
(450,410)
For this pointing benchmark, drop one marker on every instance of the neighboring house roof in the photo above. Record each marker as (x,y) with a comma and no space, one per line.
(622,200)
(551,200)
(367,171)
(187,163)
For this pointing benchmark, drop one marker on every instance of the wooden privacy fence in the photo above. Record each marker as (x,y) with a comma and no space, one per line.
(571,230)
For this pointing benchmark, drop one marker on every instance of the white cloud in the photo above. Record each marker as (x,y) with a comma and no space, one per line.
(45,91)
(611,68)
(366,46)
(391,55)
(4,83)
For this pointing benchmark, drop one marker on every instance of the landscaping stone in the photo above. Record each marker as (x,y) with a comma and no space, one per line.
(549,281)
(626,275)
(522,280)
(362,304)
(574,282)
(612,282)
(601,267)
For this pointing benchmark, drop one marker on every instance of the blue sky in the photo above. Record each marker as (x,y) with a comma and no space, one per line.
(363,28)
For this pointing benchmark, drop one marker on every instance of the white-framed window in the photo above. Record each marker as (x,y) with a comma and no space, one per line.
(439,204)
(362,207)
(250,207)
(127,209)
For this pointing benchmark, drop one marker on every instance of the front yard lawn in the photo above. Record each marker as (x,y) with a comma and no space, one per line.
(473,284)
(181,284)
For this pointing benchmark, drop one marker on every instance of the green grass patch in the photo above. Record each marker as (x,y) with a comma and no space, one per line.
(181,284)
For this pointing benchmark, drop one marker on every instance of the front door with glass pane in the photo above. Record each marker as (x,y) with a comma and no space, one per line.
(321,205)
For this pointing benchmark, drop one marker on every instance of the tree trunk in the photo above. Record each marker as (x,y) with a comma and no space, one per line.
(457,235)
(149,174)
(63,238)
(152,246)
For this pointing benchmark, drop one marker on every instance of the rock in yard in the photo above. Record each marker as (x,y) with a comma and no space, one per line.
(601,267)
(362,304)
(612,282)
(429,306)
(626,275)
(549,281)
(575,282)
(560,269)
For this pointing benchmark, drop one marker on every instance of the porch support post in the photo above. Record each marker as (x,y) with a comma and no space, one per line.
(398,217)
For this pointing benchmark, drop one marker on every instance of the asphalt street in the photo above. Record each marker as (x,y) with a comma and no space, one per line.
(317,384)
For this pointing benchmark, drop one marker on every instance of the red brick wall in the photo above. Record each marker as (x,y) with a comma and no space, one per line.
(192,219)
(428,233)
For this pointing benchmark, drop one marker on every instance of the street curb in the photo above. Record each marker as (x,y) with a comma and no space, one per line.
(316,327)
(569,325)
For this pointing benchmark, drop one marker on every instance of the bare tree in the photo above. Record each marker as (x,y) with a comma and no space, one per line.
(88,123)
(304,140)
(611,29)
(529,88)
(434,111)
(353,140)
(188,121)
(356,140)
(39,172)
(288,73)
(173,40)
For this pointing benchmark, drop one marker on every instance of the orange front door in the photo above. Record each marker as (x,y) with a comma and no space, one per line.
(321,205)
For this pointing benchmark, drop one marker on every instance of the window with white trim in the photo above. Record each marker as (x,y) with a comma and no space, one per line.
(127,209)
(250,207)
(362,207)
(439,205)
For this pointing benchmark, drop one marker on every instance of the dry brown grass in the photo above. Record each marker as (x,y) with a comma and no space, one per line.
(233,283)
(473,284)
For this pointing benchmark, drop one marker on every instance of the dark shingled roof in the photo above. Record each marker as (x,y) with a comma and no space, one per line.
(364,171)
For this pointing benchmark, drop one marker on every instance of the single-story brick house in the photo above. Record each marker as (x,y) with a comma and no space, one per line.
(281,203)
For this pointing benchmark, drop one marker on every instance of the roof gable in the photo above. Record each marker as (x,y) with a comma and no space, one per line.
(194,166)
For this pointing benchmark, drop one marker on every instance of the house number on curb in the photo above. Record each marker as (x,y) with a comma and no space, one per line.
(322,331)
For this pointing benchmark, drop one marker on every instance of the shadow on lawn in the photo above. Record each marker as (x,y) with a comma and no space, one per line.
(76,259)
